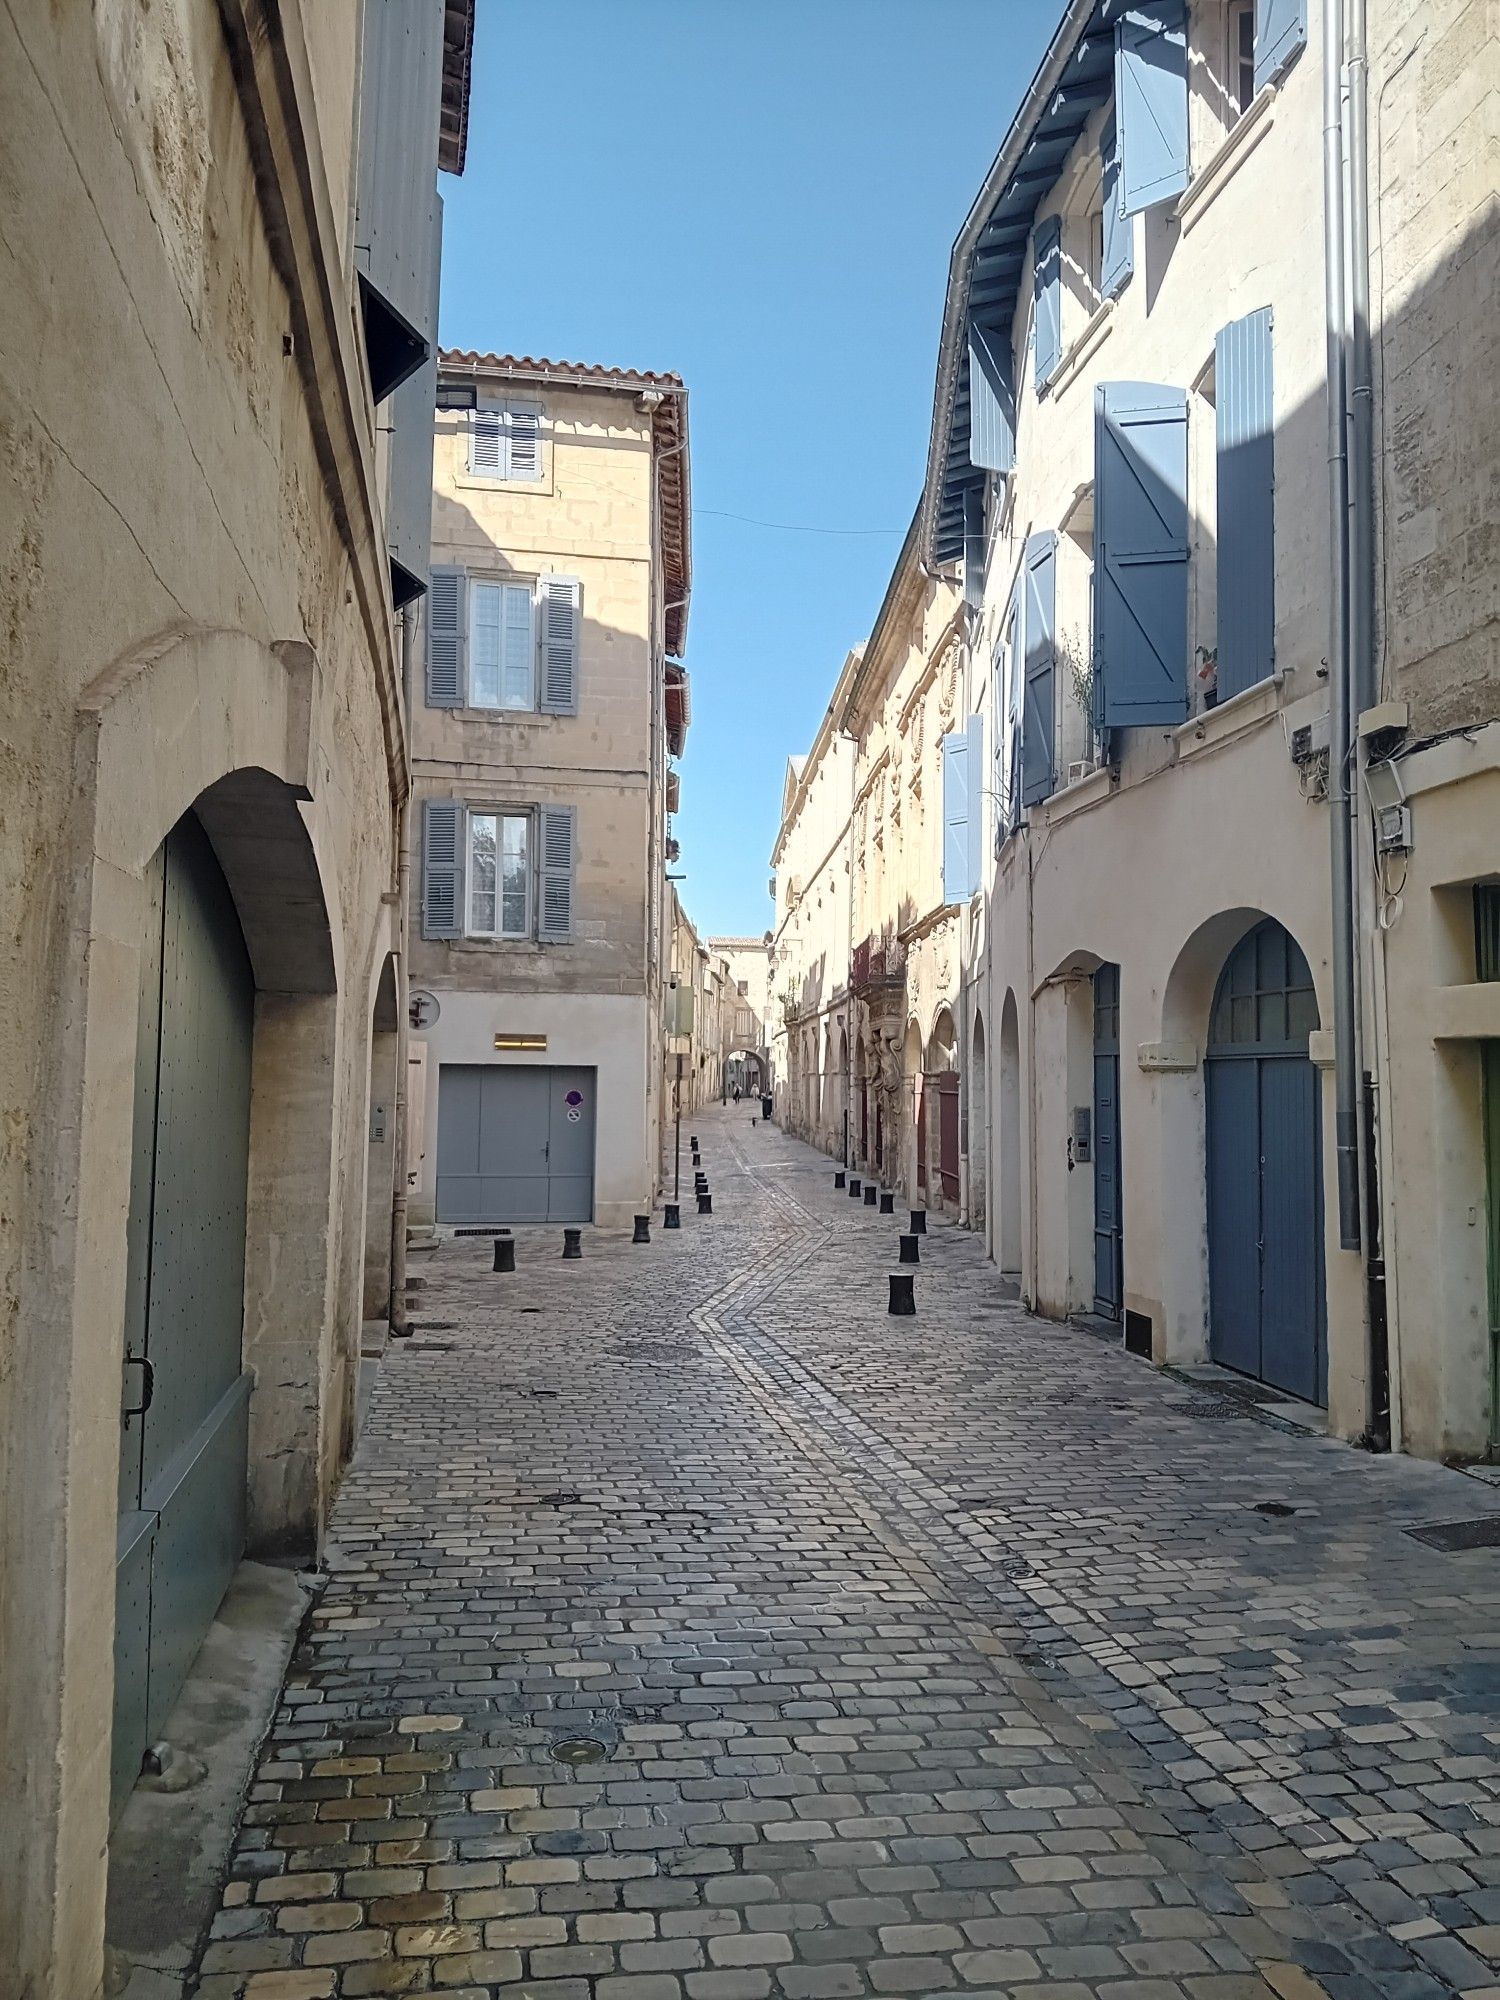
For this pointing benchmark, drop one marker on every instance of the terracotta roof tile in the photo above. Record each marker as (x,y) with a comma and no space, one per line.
(576,371)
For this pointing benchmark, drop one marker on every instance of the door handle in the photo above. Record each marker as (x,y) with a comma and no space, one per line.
(148,1384)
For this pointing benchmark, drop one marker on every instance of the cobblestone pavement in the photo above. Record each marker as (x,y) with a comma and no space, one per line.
(696,1631)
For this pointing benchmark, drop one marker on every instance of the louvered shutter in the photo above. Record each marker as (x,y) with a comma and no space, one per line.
(1140,552)
(558,841)
(442,868)
(1119,228)
(446,610)
(956,886)
(487,443)
(1008,724)
(1280,31)
(1047,280)
(1246,571)
(992,399)
(1039,715)
(1151,103)
(974,545)
(523,424)
(558,602)
(974,764)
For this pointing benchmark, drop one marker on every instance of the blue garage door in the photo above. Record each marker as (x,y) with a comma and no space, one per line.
(515,1144)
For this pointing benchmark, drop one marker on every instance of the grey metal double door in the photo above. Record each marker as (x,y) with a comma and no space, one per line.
(1109,1238)
(1265,1229)
(515,1144)
(185,1398)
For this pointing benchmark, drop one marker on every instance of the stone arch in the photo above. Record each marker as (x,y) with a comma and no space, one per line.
(1009,1174)
(913,1105)
(979,1127)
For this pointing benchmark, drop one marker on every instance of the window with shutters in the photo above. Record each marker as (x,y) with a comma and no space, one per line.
(502,645)
(505,441)
(499,873)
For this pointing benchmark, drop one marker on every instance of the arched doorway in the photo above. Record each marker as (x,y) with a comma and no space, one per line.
(843,1134)
(862,1094)
(914,1082)
(979,1128)
(1109,1255)
(380,1167)
(1265,1209)
(942,1073)
(1008,1234)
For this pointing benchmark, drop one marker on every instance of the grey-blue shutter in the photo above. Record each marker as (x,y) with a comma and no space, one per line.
(1151,103)
(1119,229)
(1039,715)
(1280,31)
(1047,280)
(992,399)
(974,764)
(1140,552)
(956,885)
(1246,568)
(442,868)
(974,545)
(559,841)
(446,611)
(558,604)
(1007,724)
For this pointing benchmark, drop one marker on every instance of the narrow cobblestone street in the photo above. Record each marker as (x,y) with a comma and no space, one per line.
(693,1627)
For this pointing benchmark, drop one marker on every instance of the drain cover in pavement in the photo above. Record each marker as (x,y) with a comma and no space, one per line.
(559,1499)
(1451,1536)
(1278,1509)
(578,1750)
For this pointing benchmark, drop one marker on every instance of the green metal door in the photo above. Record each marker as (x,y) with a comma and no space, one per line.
(185,1400)
(1489,1054)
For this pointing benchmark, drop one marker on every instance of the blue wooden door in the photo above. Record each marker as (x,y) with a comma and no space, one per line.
(1265,1217)
(1109,1287)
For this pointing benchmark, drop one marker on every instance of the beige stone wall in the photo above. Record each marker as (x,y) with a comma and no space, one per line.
(178,600)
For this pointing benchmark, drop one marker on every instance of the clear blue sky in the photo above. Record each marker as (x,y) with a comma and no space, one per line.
(762,195)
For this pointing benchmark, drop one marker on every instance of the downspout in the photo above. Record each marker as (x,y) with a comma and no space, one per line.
(396,1305)
(1346,1072)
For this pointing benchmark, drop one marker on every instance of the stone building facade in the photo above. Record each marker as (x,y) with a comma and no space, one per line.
(203,552)
(546,710)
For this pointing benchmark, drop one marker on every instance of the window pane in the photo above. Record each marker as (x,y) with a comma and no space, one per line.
(1241,1020)
(484,644)
(1273,1017)
(515,878)
(518,651)
(482,830)
(1302,1013)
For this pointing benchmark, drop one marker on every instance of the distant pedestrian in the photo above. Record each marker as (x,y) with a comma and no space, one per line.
(736,1093)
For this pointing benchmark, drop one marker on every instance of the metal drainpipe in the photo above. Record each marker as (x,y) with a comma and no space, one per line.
(1346,1074)
(396,1305)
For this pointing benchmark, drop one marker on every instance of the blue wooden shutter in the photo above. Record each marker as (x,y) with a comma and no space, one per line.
(1151,103)
(1119,228)
(523,442)
(1140,552)
(956,887)
(558,602)
(446,611)
(1007,723)
(557,860)
(442,868)
(992,399)
(1039,718)
(974,545)
(1246,569)
(1047,279)
(974,764)
(487,442)
(1280,31)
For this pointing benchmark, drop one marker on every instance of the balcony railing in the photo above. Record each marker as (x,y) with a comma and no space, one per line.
(878,962)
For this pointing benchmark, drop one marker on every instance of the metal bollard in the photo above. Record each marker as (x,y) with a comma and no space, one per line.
(505,1253)
(887,1202)
(910,1254)
(872,1194)
(853,1188)
(839,1178)
(903,1294)
(670,1216)
(642,1229)
(693,1141)
(705,1204)
(572,1243)
(919,1222)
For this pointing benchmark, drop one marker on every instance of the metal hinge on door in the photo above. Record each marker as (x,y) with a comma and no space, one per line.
(148,1385)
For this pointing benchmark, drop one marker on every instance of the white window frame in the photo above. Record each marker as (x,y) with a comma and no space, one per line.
(1236,12)
(500,815)
(519,460)
(502,584)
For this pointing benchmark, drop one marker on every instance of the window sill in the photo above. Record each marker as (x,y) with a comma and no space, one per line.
(1465,1013)
(1233,718)
(1084,348)
(1237,146)
(1079,796)
(481,482)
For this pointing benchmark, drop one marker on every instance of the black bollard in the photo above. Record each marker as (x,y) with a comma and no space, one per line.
(642,1229)
(572,1243)
(693,1141)
(872,1194)
(839,1178)
(919,1222)
(505,1253)
(887,1202)
(910,1254)
(903,1294)
(705,1204)
(853,1188)
(670,1217)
